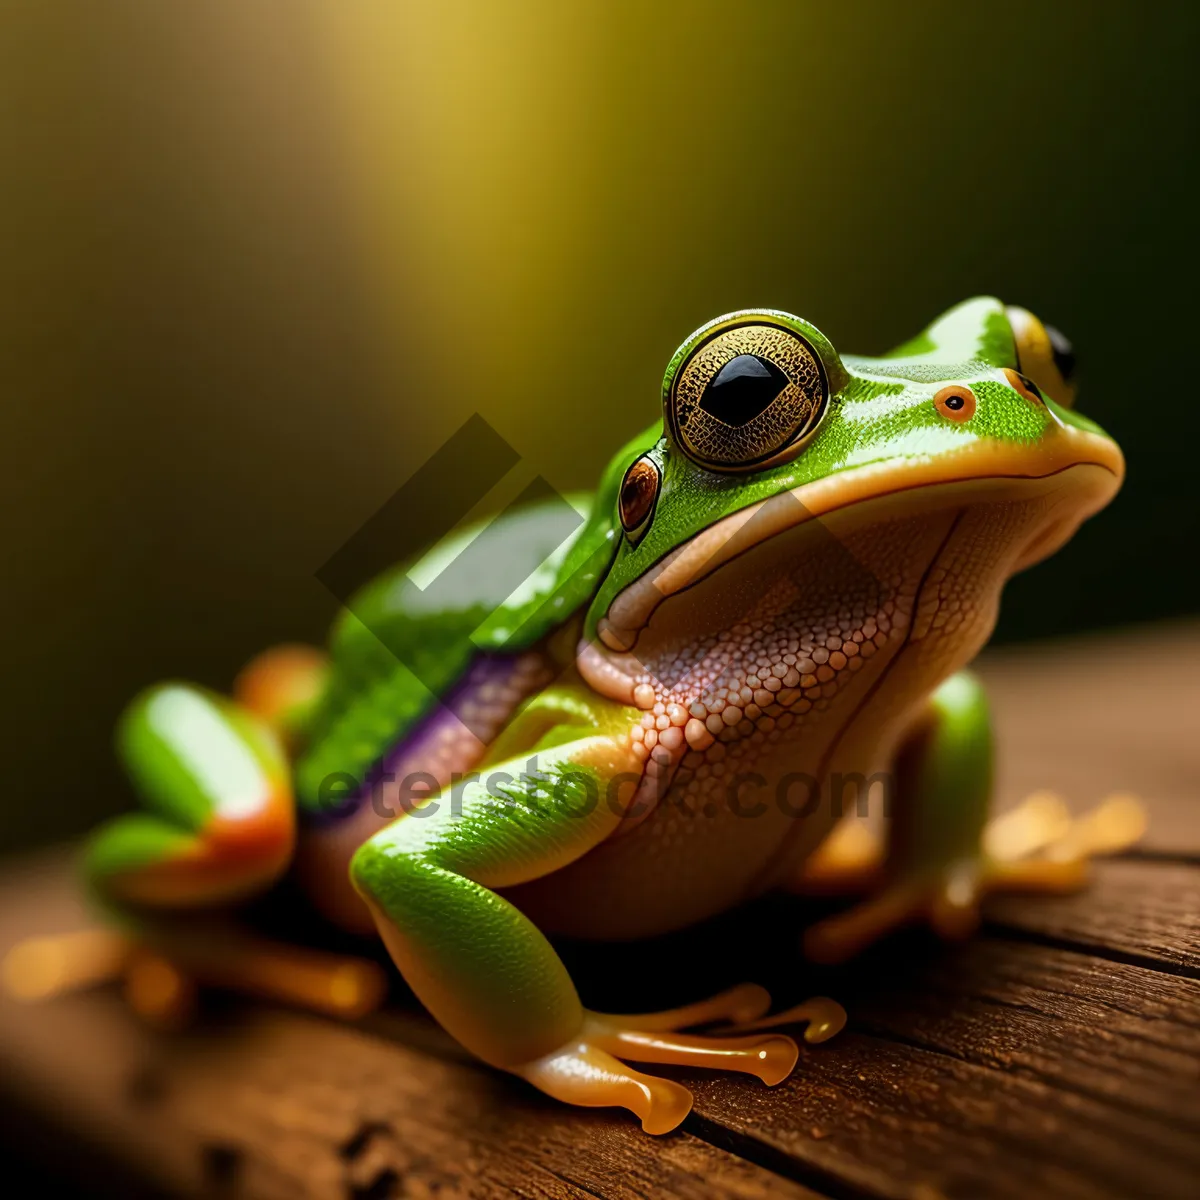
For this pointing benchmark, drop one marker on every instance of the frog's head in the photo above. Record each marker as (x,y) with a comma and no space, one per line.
(786,478)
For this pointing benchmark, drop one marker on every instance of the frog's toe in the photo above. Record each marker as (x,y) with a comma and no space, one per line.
(41,968)
(1040,847)
(823,1017)
(163,967)
(159,990)
(1040,833)
(1036,847)
(587,1075)
(948,902)
(770,1057)
(591,1071)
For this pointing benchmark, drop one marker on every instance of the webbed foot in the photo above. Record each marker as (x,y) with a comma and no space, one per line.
(591,1070)
(161,974)
(1036,847)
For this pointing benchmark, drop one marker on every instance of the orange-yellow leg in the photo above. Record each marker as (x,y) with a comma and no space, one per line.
(943,857)
(1036,848)
(162,965)
(592,1071)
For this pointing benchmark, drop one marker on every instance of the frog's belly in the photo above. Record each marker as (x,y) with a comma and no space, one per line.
(745,811)
(698,854)
(731,829)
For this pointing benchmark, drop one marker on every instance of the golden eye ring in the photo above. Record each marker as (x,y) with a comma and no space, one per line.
(955,403)
(638,496)
(747,395)
(1043,355)
(1025,386)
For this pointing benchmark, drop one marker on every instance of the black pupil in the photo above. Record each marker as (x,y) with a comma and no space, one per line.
(954,402)
(1063,352)
(1033,387)
(742,389)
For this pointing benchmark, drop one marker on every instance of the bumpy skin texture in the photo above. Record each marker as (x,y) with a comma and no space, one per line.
(640,712)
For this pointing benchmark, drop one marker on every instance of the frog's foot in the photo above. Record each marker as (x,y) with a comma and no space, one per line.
(591,1070)
(161,975)
(1037,847)
(41,968)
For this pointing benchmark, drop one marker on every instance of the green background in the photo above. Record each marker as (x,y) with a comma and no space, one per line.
(261,260)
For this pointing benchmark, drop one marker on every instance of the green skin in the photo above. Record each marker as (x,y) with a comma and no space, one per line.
(482,967)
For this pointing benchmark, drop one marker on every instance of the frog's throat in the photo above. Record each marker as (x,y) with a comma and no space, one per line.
(1093,464)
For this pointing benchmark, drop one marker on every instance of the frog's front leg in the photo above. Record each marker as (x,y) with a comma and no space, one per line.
(943,856)
(487,973)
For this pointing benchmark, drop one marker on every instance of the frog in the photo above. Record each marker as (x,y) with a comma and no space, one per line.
(772,598)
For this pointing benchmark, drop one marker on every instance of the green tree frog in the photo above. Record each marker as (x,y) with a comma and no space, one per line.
(773,594)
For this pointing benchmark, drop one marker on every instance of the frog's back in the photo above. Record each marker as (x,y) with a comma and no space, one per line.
(428,662)
(478,599)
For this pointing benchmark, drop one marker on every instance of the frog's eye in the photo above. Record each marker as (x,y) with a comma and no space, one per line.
(1026,387)
(955,403)
(1044,356)
(1063,354)
(639,493)
(746,395)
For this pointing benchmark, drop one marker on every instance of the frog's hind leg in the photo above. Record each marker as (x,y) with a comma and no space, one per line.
(489,975)
(281,687)
(943,856)
(219,823)
(218,827)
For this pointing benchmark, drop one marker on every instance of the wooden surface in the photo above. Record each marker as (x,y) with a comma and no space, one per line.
(1057,1054)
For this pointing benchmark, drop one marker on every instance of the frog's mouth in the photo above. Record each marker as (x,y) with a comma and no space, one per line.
(1084,468)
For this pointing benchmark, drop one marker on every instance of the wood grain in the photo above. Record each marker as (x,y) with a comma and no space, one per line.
(1055,1055)
(266,1103)
(279,1104)
(1144,911)
(1001,1069)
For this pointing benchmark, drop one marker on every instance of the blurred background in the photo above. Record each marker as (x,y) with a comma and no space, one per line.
(261,259)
